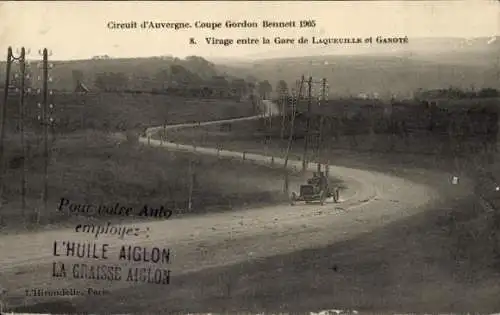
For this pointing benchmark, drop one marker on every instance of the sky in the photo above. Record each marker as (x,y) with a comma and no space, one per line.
(78,30)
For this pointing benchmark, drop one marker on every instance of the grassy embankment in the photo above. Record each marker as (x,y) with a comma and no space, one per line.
(88,166)
(473,230)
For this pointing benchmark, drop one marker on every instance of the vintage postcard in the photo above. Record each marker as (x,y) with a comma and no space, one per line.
(249,157)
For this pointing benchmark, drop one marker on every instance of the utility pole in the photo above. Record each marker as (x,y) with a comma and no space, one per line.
(22,62)
(321,120)
(498,71)
(45,120)
(284,100)
(165,131)
(308,123)
(2,121)
(268,129)
(45,128)
(191,173)
(292,126)
(495,145)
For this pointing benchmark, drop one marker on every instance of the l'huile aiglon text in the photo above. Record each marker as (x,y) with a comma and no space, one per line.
(130,253)
(112,272)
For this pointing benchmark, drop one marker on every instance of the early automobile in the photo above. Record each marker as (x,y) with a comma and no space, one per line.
(317,189)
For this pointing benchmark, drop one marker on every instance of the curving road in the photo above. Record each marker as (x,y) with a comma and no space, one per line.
(267,108)
(372,201)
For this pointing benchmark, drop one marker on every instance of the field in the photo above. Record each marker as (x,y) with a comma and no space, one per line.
(255,135)
(418,152)
(390,254)
(395,74)
(91,167)
(425,263)
(443,259)
(123,111)
(88,164)
(429,261)
(446,259)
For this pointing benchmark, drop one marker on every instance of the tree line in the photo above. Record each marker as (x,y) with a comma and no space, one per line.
(180,81)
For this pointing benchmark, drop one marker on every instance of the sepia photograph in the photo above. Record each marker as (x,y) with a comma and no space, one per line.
(256,157)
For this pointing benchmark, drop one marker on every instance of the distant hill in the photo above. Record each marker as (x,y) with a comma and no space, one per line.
(140,72)
(422,64)
(426,48)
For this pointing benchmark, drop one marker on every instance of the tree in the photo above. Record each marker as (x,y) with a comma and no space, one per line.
(282,88)
(239,86)
(111,81)
(220,84)
(251,87)
(251,79)
(265,89)
(161,77)
(200,66)
(182,75)
(488,92)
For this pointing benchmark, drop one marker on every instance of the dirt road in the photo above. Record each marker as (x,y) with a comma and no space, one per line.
(198,243)
(374,200)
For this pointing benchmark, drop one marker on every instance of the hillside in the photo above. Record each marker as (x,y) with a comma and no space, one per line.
(386,75)
(139,72)
(423,63)
(112,112)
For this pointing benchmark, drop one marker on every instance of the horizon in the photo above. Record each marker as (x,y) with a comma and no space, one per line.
(77,31)
(243,58)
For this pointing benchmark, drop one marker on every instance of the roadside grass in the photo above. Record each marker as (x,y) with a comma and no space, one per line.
(475,230)
(420,150)
(122,111)
(411,265)
(423,263)
(92,167)
(88,165)
(444,259)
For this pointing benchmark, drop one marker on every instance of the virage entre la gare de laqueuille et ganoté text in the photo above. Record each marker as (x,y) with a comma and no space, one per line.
(113,210)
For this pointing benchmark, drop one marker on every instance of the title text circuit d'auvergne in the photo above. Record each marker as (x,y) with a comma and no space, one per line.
(212,25)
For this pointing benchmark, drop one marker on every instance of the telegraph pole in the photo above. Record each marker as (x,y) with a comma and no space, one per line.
(45,128)
(495,145)
(22,62)
(2,121)
(191,184)
(21,90)
(308,123)
(284,100)
(321,119)
(45,120)
(292,126)
(267,129)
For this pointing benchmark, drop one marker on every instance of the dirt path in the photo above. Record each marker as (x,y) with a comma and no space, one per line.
(224,239)
(216,240)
